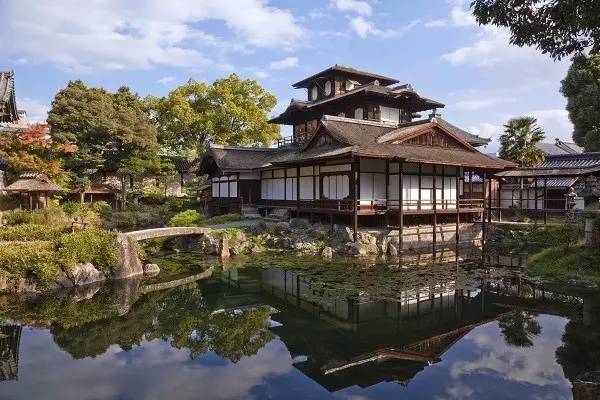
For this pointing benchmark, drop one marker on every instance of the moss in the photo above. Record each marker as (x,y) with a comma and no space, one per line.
(562,264)
(221,219)
(22,259)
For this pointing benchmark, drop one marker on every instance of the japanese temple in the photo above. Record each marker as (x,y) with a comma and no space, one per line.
(360,148)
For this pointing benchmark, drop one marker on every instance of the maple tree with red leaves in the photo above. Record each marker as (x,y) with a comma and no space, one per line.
(31,149)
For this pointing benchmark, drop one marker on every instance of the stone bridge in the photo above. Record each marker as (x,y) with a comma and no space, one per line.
(130,263)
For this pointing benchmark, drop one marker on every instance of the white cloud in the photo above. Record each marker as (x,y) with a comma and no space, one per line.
(355,6)
(436,23)
(478,104)
(289,62)
(166,80)
(364,28)
(139,34)
(262,74)
(555,123)
(37,111)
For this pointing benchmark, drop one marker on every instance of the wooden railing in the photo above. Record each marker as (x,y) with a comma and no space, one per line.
(377,205)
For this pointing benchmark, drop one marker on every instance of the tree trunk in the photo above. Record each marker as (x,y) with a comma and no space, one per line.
(123,193)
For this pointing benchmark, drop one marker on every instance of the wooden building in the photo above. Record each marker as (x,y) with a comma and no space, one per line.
(359,150)
(8,104)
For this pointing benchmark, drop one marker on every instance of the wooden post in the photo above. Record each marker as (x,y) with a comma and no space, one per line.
(387,192)
(489,202)
(545,200)
(355,177)
(483,225)
(419,197)
(457,206)
(521,194)
(434,207)
(536,201)
(400,205)
(297,191)
(471,184)
(499,200)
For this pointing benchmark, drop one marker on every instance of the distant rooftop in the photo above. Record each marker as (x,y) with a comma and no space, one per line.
(559,147)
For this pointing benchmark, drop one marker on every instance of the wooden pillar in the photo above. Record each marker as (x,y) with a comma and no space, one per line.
(419,194)
(536,201)
(297,192)
(545,200)
(489,200)
(387,192)
(483,224)
(355,178)
(434,207)
(471,184)
(499,200)
(521,194)
(400,205)
(457,234)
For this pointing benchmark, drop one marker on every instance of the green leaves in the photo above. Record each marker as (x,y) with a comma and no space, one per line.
(518,143)
(581,87)
(230,111)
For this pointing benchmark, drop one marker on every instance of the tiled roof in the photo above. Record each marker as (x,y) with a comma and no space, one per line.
(559,147)
(347,70)
(581,160)
(232,158)
(8,106)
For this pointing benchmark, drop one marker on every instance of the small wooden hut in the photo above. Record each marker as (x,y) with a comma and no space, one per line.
(36,187)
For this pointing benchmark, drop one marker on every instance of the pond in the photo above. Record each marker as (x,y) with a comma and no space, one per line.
(282,327)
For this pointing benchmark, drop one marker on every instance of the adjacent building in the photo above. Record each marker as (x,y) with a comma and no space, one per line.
(360,153)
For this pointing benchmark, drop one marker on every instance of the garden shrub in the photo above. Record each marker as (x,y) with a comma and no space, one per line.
(187,218)
(17,216)
(102,208)
(137,217)
(153,198)
(95,246)
(21,259)
(72,207)
(27,232)
(220,219)
(53,216)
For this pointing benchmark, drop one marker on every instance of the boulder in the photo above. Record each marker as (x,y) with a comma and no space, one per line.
(209,245)
(355,249)
(343,233)
(84,274)
(392,250)
(299,223)
(151,269)
(281,228)
(224,247)
(327,252)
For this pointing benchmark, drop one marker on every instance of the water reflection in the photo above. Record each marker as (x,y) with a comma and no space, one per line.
(453,330)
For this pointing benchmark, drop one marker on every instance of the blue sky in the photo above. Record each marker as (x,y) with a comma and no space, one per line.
(152,46)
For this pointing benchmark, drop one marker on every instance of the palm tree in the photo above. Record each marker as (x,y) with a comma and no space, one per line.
(518,143)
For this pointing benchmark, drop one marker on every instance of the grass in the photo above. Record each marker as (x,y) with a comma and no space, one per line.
(561,264)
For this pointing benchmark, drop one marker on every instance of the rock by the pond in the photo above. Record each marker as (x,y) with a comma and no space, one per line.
(299,223)
(392,250)
(151,269)
(224,247)
(355,249)
(582,283)
(282,227)
(86,273)
(327,252)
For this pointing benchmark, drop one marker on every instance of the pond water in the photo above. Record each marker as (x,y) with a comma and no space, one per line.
(281,327)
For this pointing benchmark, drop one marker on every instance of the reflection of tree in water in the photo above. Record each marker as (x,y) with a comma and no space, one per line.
(580,352)
(519,328)
(179,315)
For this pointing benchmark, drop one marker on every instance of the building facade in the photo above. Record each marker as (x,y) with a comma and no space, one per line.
(360,154)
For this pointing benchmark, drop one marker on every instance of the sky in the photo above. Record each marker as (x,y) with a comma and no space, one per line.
(152,46)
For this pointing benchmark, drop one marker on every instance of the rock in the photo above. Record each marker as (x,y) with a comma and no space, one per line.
(84,274)
(392,250)
(129,262)
(281,228)
(327,252)
(62,280)
(382,244)
(256,248)
(151,269)
(582,283)
(355,249)
(299,223)
(209,245)
(224,247)
(343,233)
(3,283)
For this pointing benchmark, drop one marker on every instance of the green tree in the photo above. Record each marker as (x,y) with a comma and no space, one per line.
(518,143)
(229,111)
(519,328)
(559,28)
(111,131)
(581,87)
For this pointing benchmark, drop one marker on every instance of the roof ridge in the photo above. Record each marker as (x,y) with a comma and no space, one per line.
(328,117)
(246,148)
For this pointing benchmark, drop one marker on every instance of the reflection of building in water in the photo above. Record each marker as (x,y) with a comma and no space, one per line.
(10,336)
(361,338)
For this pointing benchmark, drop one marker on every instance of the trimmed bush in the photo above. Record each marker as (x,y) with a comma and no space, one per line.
(26,232)
(17,216)
(95,246)
(102,208)
(21,259)
(187,218)
(221,219)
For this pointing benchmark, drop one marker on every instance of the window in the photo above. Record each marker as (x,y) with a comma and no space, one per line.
(314,93)
(389,114)
(336,187)
(327,88)
(358,113)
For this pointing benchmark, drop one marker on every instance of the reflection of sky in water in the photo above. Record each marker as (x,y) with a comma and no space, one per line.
(480,365)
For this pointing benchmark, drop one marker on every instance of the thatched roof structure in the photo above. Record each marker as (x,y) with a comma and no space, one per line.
(34,183)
